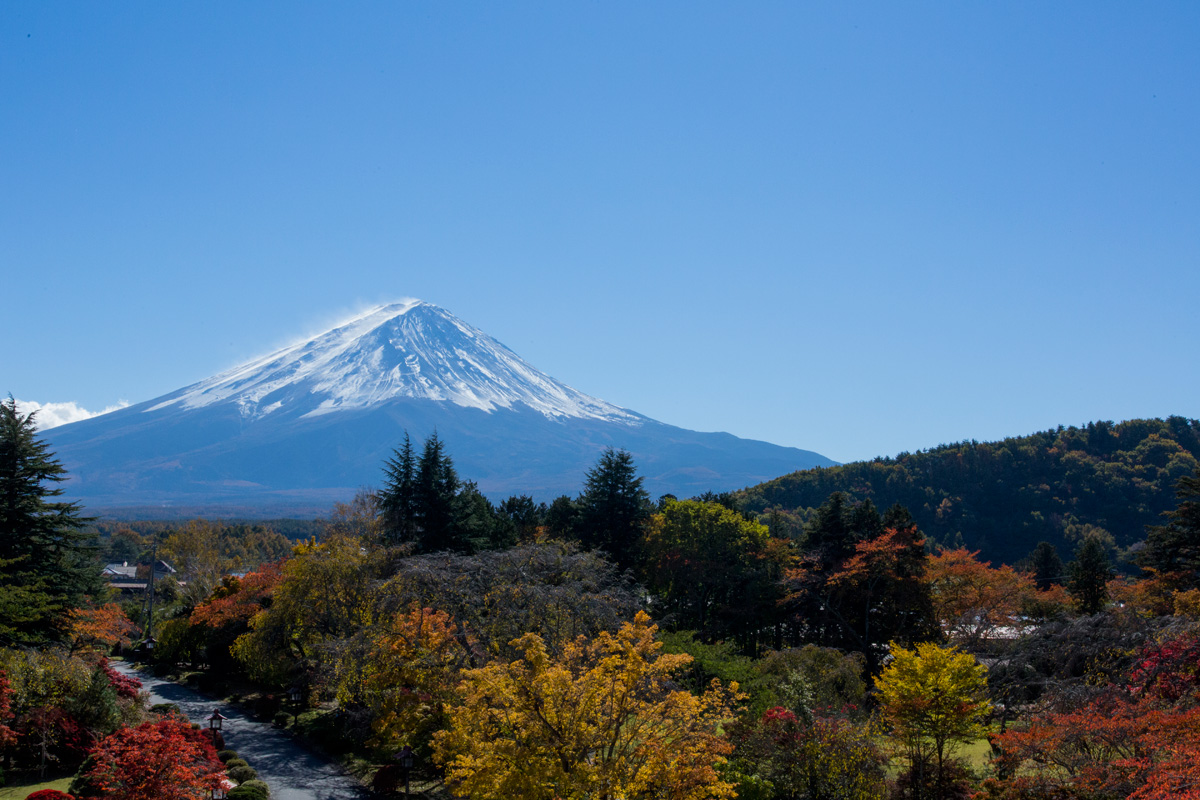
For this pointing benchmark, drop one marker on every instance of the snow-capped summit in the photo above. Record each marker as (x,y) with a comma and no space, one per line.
(403,350)
(311,424)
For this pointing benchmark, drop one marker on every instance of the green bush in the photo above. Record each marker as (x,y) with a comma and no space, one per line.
(281,719)
(241,774)
(236,762)
(225,755)
(251,790)
(165,708)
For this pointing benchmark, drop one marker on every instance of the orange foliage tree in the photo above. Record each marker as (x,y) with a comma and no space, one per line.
(408,678)
(165,760)
(973,601)
(1139,739)
(237,600)
(101,627)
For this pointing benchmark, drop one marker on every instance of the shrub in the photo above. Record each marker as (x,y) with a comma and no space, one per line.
(236,762)
(242,774)
(49,794)
(281,719)
(165,708)
(250,790)
(225,755)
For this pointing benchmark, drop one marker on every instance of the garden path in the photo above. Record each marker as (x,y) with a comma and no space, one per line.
(292,772)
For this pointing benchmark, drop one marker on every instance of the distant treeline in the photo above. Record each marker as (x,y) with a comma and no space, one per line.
(294,529)
(1002,498)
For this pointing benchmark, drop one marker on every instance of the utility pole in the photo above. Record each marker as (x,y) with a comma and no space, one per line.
(150,600)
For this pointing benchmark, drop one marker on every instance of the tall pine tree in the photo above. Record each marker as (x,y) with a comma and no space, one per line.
(1175,547)
(435,501)
(48,560)
(614,508)
(397,500)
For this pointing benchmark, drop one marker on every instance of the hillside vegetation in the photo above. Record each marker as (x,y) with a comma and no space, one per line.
(1002,498)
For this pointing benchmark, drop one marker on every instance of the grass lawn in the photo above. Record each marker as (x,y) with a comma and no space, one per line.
(21,789)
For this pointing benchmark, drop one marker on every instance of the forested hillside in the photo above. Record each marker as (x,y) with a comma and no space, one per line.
(1002,498)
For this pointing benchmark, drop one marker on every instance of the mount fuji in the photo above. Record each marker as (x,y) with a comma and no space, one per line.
(297,430)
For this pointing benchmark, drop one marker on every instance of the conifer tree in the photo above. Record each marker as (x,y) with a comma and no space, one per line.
(397,501)
(1090,573)
(1175,547)
(1046,565)
(47,557)
(435,501)
(614,508)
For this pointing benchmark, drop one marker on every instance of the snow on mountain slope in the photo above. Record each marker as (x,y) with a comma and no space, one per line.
(404,350)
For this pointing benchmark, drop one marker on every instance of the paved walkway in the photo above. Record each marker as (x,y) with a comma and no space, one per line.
(292,772)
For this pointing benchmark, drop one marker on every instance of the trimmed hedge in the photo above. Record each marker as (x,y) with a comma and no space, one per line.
(242,774)
(250,790)
(236,762)
(225,755)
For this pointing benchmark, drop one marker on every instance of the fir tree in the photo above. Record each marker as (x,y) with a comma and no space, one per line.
(435,501)
(614,508)
(47,557)
(1175,547)
(1046,565)
(1090,573)
(397,501)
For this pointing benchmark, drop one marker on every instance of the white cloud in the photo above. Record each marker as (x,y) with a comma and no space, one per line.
(51,415)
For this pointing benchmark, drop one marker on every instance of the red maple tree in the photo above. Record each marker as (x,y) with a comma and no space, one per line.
(165,760)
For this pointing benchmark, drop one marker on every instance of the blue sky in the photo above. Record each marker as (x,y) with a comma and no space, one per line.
(853,228)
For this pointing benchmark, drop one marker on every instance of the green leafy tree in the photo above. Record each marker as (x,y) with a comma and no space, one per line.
(1090,574)
(614,507)
(47,554)
(713,569)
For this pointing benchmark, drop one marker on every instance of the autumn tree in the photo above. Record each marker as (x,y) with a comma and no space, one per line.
(408,677)
(600,721)
(320,602)
(972,600)
(933,699)
(552,589)
(861,579)
(808,758)
(165,760)
(101,627)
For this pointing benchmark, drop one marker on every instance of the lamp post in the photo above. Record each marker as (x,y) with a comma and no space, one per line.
(294,694)
(214,722)
(406,759)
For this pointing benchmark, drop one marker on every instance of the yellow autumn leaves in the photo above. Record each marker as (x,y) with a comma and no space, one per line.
(601,721)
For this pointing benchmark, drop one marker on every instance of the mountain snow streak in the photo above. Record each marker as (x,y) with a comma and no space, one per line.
(404,350)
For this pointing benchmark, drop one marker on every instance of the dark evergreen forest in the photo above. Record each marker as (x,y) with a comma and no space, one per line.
(1002,498)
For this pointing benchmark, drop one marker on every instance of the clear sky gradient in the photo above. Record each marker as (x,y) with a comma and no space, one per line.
(857,228)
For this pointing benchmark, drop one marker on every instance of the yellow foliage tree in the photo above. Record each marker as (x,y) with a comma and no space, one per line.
(933,698)
(410,676)
(601,721)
